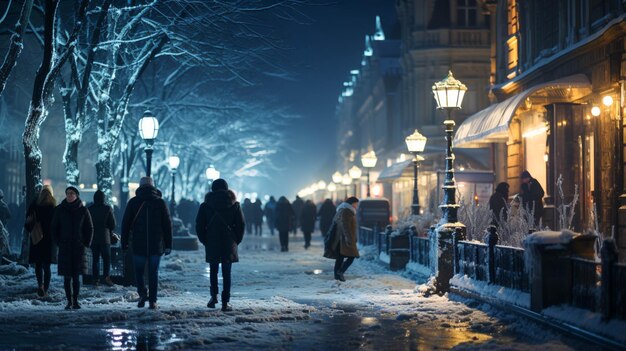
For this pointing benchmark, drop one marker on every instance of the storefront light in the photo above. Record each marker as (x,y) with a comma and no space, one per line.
(607,100)
(595,111)
(545,157)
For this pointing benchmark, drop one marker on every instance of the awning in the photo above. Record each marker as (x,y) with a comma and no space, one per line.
(491,125)
(394,171)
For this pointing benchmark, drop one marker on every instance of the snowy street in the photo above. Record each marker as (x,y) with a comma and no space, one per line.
(280,300)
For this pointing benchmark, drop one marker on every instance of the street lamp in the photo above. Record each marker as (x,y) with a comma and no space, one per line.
(355,173)
(368,160)
(449,95)
(337,178)
(148,130)
(212,174)
(346,180)
(416,143)
(173,161)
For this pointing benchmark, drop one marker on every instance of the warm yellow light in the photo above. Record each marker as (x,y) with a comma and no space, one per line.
(346,179)
(607,100)
(331,187)
(355,172)
(337,177)
(595,111)
(369,159)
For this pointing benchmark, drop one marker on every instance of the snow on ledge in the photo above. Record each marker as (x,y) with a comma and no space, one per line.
(550,237)
(513,296)
(418,268)
(614,328)
(384,257)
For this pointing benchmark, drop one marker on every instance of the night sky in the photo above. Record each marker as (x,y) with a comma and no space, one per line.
(321,54)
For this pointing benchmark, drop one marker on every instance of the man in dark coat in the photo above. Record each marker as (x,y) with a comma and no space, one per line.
(284,218)
(103,226)
(326,215)
(498,203)
(73,231)
(148,217)
(297,210)
(532,196)
(268,211)
(248,214)
(307,221)
(257,217)
(220,227)
(345,219)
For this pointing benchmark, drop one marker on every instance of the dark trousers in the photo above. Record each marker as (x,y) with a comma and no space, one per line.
(307,239)
(284,240)
(71,283)
(270,226)
(153,276)
(103,250)
(341,266)
(249,227)
(258,228)
(226,281)
(42,272)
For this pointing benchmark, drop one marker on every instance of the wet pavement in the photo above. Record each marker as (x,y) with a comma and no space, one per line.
(374,310)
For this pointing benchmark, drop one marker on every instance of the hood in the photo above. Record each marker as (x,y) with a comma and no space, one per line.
(147,192)
(218,200)
(345,205)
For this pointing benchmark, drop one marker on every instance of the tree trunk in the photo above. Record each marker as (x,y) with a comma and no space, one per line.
(103,170)
(16,46)
(70,161)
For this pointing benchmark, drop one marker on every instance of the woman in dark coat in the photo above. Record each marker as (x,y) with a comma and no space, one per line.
(498,203)
(257,214)
(103,225)
(326,215)
(43,253)
(284,219)
(220,227)
(307,221)
(345,220)
(73,230)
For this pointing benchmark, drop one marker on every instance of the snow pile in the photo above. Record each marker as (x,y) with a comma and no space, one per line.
(12,269)
(614,328)
(417,268)
(550,237)
(482,288)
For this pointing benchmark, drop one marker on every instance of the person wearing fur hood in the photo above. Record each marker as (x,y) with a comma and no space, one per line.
(345,221)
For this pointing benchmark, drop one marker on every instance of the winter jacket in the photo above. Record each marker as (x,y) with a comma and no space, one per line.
(284,216)
(46,250)
(308,217)
(297,206)
(326,215)
(345,220)
(150,225)
(103,223)
(73,231)
(257,213)
(268,211)
(498,206)
(220,227)
(532,198)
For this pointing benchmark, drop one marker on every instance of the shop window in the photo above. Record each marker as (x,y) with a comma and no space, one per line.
(466,13)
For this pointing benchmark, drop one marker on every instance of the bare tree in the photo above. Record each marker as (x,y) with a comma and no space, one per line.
(16,45)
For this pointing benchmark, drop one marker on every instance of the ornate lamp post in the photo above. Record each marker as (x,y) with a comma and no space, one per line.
(346,180)
(211,174)
(416,143)
(355,173)
(148,130)
(449,95)
(368,160)
(173,161)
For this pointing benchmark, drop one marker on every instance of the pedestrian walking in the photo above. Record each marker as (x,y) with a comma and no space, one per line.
(532,196)
(308,217)
(257,217)
(103,227)
(147,226)
(42,252)
(268,211)
(297,210)
(284,219)
(72,229)
(247,214)
(345,220)
(498,203)
(220,227)
(326,215)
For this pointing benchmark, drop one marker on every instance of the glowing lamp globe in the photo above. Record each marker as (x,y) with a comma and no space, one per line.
(368,160)
(321,185)
(355,172)
(173,161)
(346,179)
(148,126)
(416,142)
(212,173)
(331,187)
(337,177)
(449,92)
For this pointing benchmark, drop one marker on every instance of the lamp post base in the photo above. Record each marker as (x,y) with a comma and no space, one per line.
(415,209)
(443,239)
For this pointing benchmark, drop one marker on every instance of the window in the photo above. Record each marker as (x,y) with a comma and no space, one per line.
(546,28)
(466,13)
(511,43)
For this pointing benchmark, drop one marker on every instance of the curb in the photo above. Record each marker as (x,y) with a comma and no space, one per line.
(559,325)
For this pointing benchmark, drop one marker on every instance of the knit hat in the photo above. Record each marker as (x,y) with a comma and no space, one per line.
(145,181)
(525,175)
(72,189)
(219,184)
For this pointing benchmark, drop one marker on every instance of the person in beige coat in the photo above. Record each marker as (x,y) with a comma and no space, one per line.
(345,221)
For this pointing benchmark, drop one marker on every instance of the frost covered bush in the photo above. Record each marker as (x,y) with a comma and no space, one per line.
(513,229)
(476,218)
(566,210)
(421,222)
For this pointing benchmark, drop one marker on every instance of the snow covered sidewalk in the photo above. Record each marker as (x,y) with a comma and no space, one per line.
(280,300)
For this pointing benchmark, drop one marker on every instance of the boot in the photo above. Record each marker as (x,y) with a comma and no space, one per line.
(153,306)
(108,281)
(225,306)
(75,305)
(339,276)
(142,302)
(40,291)
(69,304)
(212,302)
